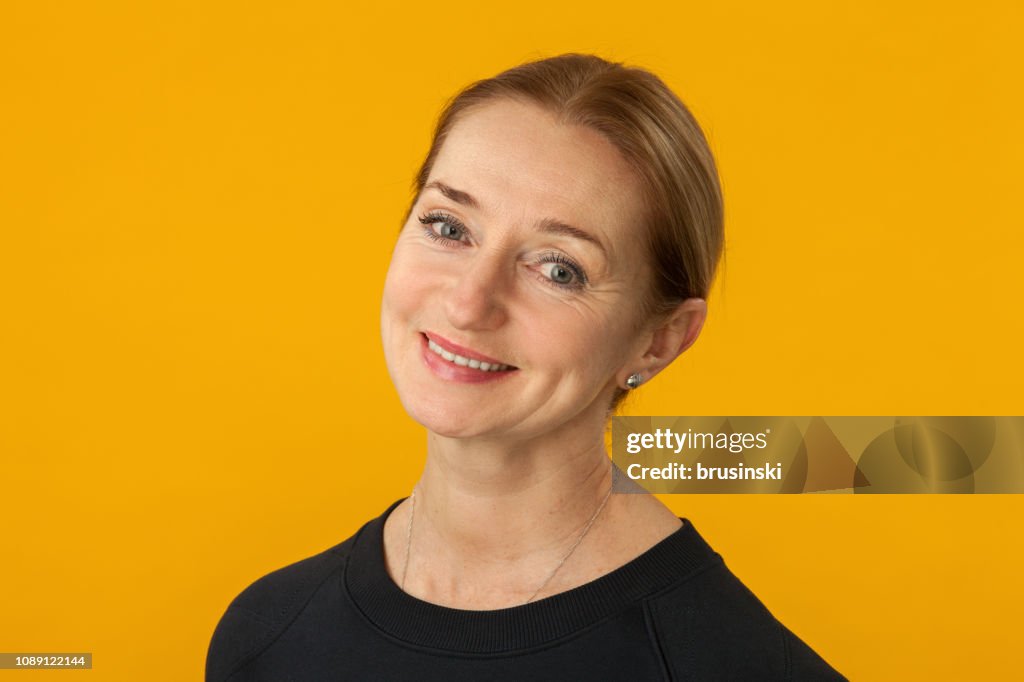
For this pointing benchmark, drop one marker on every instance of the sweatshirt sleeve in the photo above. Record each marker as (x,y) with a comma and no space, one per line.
(236,639)
(713,627)
(803,663)
(265,609)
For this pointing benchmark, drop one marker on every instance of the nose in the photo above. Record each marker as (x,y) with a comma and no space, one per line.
(477,296)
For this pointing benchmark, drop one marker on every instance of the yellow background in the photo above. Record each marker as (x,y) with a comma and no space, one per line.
(197,206)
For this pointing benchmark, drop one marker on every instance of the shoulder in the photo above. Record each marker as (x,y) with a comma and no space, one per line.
(713,626)
(264,609)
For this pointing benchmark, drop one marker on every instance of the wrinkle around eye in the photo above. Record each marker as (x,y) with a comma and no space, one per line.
(597,266)
(583,308)
(622,290)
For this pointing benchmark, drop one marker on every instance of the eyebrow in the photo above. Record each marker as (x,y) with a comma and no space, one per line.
(456,195)
(549,225)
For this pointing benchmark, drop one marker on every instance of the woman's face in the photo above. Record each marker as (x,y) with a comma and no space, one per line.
(524,252)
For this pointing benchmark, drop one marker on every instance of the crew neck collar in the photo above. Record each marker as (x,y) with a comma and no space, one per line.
(515,628)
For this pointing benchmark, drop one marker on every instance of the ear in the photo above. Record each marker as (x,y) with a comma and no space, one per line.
(676,332)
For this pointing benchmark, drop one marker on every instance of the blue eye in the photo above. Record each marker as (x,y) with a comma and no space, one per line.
(448,228)
(449,231)
(562,272)
(559,273)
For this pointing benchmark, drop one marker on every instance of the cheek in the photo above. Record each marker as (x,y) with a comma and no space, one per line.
(405,286)
(398,309)
(583,348)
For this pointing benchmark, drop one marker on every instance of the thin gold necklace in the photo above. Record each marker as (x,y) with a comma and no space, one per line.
(586,529)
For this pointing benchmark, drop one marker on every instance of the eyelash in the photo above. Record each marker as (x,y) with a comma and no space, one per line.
(433,218)
(580,280)
(578,283)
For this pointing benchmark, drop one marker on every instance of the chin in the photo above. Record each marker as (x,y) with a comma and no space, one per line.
(444,420)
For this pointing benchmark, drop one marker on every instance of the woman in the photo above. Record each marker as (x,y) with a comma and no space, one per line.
(558,253)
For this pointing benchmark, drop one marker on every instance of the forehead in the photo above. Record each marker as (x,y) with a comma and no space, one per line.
(516,158)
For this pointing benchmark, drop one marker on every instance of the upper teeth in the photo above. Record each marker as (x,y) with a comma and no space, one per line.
(463,361)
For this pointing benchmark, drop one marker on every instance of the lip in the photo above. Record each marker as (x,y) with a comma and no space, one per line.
(449,371)
(463,351)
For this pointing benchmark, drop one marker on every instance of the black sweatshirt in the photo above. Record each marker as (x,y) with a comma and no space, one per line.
(676,612)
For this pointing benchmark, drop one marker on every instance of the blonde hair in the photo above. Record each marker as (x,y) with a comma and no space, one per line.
(655,133)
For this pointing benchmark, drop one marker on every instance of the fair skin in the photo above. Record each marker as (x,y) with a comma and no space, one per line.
(487,268)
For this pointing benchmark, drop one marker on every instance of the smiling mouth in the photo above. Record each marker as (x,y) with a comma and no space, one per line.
(463,361)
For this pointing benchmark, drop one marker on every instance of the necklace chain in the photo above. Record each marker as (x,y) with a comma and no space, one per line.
(583,534)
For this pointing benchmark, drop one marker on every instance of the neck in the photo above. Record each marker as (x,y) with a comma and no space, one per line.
(509,501)
(493,520)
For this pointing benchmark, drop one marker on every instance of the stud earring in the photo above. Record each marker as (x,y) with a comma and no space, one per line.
(634,380)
